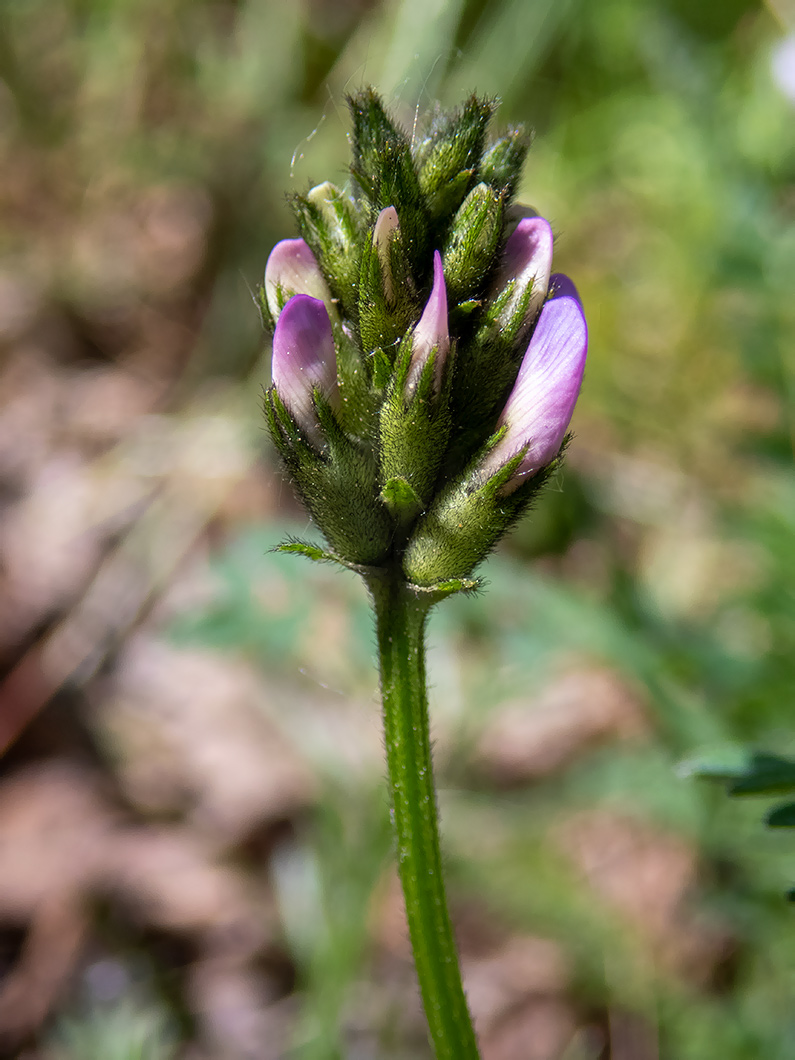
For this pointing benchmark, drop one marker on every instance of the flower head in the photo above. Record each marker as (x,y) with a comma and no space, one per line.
(431,332)
(304,359)
(388,406)
(540,406)
(292,269)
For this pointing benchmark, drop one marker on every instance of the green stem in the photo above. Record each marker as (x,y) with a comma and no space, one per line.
(400,624)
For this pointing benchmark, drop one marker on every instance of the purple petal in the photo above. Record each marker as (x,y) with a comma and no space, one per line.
(540,406)
(560,286)
(304,357)
(431,330)
(528,261)
(292,269)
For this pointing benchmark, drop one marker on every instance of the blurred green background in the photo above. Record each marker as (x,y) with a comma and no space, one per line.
(227,905)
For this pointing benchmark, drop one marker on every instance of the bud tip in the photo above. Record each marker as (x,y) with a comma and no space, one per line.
(304,358)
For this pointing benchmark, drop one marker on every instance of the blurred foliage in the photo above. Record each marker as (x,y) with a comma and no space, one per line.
(665,158)
(753,773)
(124,1030)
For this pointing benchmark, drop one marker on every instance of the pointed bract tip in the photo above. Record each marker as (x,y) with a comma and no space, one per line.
(304,358)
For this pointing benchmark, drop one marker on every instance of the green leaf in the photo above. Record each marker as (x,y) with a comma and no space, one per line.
(782,816)
(725,764)
(746,772)
(767,774)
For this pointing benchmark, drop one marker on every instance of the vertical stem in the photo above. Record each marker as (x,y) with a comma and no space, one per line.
(400,624)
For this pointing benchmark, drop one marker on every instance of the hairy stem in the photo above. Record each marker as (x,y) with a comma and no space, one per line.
(400,623)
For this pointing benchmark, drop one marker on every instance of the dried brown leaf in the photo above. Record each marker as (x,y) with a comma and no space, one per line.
(528,740)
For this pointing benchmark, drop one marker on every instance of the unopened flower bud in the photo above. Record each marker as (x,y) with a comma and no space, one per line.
(448,158)
(431,332)
(387,296)
(293,269)
(473,241)
(387,228)
(526,264)
(304,360)
(502,163)
(329,222)
(337,214)
(540,406)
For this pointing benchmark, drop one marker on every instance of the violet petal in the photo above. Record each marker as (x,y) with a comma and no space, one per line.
(304,357)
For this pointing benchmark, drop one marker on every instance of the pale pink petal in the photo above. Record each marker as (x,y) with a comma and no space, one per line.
(431,331)
(304,358)
(293,268)
(386,226)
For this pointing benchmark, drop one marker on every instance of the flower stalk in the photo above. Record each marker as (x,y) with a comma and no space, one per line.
(400,625)
(426,365)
